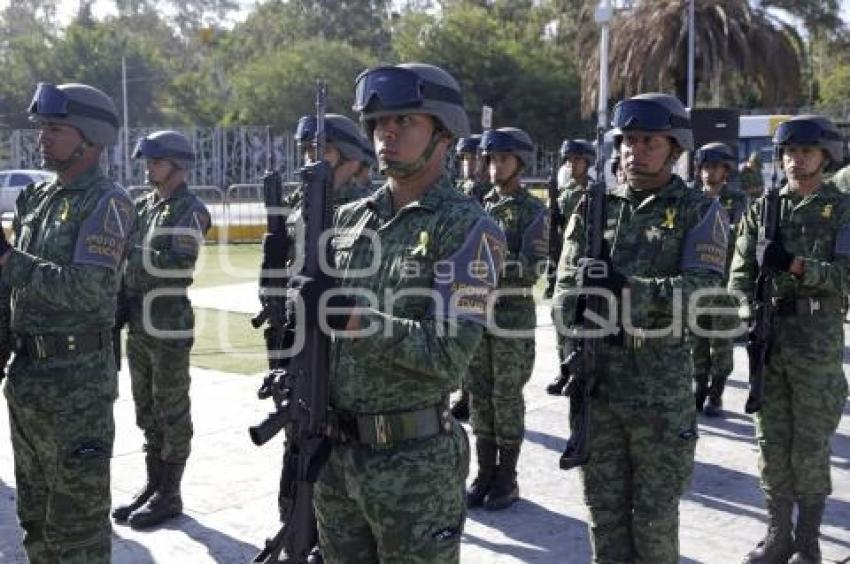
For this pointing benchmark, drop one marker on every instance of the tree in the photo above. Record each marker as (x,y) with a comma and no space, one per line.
(649,52)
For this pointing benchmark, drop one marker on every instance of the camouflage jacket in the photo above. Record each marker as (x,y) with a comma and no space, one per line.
(425,286)
(63,273)
(348,192)
(751,181)
(668,245)
(815,227)
(475,189)
(164,246)
(569,195)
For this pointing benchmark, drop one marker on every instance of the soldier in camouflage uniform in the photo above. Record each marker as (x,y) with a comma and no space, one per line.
(169,228)
(63,275)
(804,385)
(666,241)
(503,363)
(750,177)
(474,181)
(577,156)
(713,355)
(392,489)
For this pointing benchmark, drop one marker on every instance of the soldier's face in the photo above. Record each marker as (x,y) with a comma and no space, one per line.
(713,173)
(645,153)
(402,137)
(157,170)
(502,167)
(802,162)
(468,165)
(332,154)
(56,143)
(576,166)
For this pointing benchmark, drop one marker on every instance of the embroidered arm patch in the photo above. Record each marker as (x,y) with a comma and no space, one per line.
(475,269)
(190,228)
(842,241)
(705,244)
(535,240)
(103,234)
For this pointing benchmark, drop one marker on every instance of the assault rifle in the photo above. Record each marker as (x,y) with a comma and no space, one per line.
(298,385)
(760,333)
(556,229)
(582,366)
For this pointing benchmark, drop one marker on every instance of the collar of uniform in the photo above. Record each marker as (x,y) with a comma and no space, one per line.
(381,202)
(181,190)
(84,180)
(519,195)
(672,189)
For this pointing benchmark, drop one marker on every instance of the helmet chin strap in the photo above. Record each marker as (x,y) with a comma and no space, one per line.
(405,170)
(63,165)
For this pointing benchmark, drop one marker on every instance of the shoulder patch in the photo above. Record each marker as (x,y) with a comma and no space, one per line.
(103,234)
(190,228)
(535,239)
(842,241)
(705,244)
(475,267)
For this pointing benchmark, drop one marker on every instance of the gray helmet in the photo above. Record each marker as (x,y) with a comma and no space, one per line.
(369,158)
(654,112)
(508,140)
(340,130)
(170,145)
(716,153)
(411,87)
(579,147)
(811,130)
(88,109)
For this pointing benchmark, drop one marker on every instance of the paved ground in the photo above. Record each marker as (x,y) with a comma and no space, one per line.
(231,486)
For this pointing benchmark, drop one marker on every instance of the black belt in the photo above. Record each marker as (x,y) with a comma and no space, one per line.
(788,307)
(382,429)
(63,346)
(636,340)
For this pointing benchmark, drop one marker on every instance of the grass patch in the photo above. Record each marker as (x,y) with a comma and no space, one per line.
(226,341)
(219,265)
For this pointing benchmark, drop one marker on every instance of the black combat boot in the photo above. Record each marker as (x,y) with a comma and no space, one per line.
(777,546)
(701,391)
(505,490)
(556,386)
(486,451)
(809,514)
(714,407)
(460,408)
(154,467)
(165,502)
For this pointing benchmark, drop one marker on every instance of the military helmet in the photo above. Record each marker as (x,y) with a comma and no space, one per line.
(170,145)
(654,112)
(508,140)
(811,130)
(410,88)
(716,153)
(369,158)
(466,145)
(578,147)
(340,130)
(88,109)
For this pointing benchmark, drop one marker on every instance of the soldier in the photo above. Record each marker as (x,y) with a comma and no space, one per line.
(750,177)
(503,363)
(577,156)
(63,277)
(474,181)
(804,384)
(713,355)
(665,242)
(392,489)
(164,244)
(343,152)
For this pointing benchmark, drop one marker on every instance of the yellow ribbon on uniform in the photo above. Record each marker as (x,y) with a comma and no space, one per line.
(421,248)
(669,219)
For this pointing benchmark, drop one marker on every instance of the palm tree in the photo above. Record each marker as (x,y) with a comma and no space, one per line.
(760,54)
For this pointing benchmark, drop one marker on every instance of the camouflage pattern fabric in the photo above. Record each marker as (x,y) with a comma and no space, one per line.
(169,232)
(475,189)
(569,196)
(63,278)
(751,181)
(502,365)
(404,502)
(668,243)
(805,386)
(348,192)
(713,356)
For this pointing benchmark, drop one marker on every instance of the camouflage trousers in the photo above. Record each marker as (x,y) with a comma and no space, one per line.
(641,460)
(804,394)
(497,374)
(713,356)
(159,372)
(402,504)
(60,413)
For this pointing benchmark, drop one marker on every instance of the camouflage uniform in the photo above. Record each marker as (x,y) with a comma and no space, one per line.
(348,192)
(569,196)
(804,384)
(751,181)
(475,189)
(398,500)
(643,419)
(502,365)
(712,356)
(166,235)
(63,277)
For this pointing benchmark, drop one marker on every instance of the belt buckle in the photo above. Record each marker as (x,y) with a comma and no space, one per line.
(382,429)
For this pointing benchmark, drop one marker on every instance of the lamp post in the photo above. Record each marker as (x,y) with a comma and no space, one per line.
(603,15)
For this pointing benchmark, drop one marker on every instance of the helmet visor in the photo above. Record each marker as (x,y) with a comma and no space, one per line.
(802,132)
(495,141)
(646,115)
(51,102)
(390,88)
(467,145)
(152,149)
(712,156)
